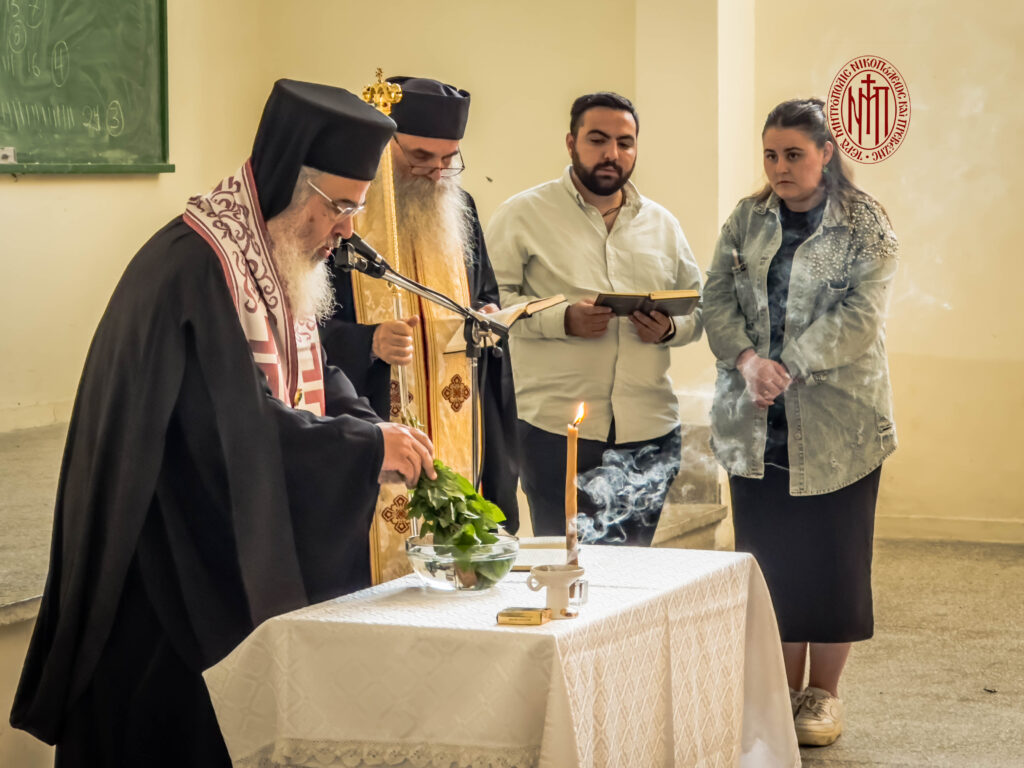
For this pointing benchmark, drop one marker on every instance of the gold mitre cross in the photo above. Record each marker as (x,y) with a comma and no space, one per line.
(382,94)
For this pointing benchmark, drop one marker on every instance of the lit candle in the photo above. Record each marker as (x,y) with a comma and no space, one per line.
(571,532)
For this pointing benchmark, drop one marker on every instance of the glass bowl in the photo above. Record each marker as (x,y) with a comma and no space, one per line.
(447,568)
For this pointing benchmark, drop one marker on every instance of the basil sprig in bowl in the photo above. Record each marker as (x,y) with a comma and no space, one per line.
(460,547)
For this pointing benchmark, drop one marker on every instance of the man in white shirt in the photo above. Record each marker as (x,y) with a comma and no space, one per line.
(586,232)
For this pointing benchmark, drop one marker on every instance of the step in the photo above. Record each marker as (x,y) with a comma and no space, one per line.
(689,526)
(697,481)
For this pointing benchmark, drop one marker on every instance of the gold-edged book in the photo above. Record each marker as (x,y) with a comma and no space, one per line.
(524,617)
(506,317)
(678,302)
(509,315)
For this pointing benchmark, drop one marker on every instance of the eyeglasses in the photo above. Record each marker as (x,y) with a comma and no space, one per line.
(343,212)
(457,165)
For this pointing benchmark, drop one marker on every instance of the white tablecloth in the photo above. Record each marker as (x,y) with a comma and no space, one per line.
(674,661)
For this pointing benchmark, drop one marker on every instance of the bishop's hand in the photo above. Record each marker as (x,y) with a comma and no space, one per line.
(407,451)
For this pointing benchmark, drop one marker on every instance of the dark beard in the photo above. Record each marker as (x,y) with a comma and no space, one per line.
(589,179)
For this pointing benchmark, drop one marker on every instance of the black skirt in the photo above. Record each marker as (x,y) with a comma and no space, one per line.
(814,551)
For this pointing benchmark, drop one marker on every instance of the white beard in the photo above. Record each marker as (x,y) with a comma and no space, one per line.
(433,217)
(305,277)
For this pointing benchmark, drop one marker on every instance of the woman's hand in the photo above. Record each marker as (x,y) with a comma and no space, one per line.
(766,379)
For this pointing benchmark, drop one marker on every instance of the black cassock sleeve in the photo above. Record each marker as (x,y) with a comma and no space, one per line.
(483,286)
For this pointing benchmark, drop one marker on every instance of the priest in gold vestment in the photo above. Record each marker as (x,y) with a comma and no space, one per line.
(439,244)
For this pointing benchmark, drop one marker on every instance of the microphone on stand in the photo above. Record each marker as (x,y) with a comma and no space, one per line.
(355,253)
(360,256)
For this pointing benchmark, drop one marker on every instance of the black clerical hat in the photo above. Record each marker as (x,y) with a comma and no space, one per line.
(320,126)
(430,108)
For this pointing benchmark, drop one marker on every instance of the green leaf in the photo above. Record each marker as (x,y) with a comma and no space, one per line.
(452,510)
(465,486)
(493,571)
(486,537)
(435,497)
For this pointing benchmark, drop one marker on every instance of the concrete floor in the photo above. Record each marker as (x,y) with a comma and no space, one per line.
(29,467)
(941,684)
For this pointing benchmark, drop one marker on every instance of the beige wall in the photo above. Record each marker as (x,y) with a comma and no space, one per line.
(700,84)
(677,58)
(523,63)
(66,239)
(955,324)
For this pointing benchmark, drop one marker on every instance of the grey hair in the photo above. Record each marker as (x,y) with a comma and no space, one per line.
(302,190)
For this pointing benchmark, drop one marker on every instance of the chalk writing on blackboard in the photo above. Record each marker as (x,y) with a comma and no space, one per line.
(61,60)
(83,82)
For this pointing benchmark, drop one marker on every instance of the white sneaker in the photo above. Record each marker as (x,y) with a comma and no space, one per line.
(796,699)
(820,718)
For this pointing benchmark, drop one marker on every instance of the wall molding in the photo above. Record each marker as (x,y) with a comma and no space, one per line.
(974,529)
(35,415)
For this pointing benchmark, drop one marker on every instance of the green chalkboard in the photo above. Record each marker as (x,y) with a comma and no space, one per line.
(83,86)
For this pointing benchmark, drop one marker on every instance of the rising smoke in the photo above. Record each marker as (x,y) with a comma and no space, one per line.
(628,491)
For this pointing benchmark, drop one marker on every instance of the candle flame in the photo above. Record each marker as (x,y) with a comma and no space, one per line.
(580,413)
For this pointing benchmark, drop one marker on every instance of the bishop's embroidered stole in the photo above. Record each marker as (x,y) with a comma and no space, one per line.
(286,350)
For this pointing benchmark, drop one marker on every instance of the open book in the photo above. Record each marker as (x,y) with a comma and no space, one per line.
(507,317)
(680,302)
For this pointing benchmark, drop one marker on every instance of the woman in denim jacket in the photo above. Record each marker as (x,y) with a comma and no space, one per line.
(794,309)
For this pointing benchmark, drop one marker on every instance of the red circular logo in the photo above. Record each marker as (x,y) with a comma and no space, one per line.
(868,109)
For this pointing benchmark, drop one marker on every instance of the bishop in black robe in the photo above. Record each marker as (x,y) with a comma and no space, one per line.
(193,503)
